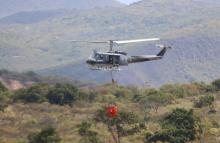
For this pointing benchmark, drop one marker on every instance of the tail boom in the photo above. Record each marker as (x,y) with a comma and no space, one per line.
(144,58)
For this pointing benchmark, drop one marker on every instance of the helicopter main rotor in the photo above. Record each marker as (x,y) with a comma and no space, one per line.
(112,43)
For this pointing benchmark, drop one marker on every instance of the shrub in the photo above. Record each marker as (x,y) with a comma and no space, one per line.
(89,96)
(4,97)
(36,93)
(216,83)
(119,93)
(180,126)
(171,135)
(88,136)
(47,135)
(137,97)
(3,106)
(84,128)
(153,99)
(174,90)
(205,88)
(63,94)
(2,88)
(180,91)
(158,99)
(205,101)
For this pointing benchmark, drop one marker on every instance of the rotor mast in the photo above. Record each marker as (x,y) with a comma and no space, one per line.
(111,44)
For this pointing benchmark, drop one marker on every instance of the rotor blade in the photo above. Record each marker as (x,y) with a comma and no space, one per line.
(97,42)
(137,40)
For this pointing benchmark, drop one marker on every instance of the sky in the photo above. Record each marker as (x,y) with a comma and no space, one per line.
(128,1)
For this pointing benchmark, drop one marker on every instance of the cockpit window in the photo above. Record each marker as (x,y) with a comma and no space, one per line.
(99,57)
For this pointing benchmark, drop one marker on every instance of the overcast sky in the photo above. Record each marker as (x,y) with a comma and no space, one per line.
(128,1)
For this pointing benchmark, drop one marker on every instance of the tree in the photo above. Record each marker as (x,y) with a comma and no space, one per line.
(47,135)
(63,94)
(125,124)
(36,93)
(180,126)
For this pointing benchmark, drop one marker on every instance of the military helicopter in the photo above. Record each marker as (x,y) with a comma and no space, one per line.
(113,59)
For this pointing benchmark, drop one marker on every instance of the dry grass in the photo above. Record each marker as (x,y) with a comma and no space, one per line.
(19,120)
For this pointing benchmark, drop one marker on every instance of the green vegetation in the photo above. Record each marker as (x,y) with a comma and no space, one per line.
(180,23)
(88,136)
(36,93)
(206,101)
(205,88)
(173,113)
(180,91)
(47,135)
(4,97)
(153,99)
(125,124)
(180,126)
(3,91)
(2,88)
(63,94)
(216,83)
(87,95)
(60,94)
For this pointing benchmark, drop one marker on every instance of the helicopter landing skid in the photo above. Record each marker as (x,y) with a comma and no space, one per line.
(115,68)
(107,68)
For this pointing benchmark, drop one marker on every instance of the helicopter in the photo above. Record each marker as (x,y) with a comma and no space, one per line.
(114,59)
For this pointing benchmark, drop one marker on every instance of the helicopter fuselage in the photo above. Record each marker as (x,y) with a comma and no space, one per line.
(108,59)
(112,60)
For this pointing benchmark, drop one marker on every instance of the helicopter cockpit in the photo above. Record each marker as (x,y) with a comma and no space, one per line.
(105,58)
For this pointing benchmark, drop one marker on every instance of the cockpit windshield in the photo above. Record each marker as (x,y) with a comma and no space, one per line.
(93,56)
(99,56)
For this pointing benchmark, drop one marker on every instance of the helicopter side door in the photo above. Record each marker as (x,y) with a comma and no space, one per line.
(114,60)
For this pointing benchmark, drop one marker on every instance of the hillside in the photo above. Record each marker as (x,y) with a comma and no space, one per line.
(13,6)
(31,17)
(190,27)
(74,111)
(15,81)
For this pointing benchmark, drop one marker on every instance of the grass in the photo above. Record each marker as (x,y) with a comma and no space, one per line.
(19,120)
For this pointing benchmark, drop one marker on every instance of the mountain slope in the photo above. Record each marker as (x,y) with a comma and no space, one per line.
(190,27)
(8,7)
(31,17)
